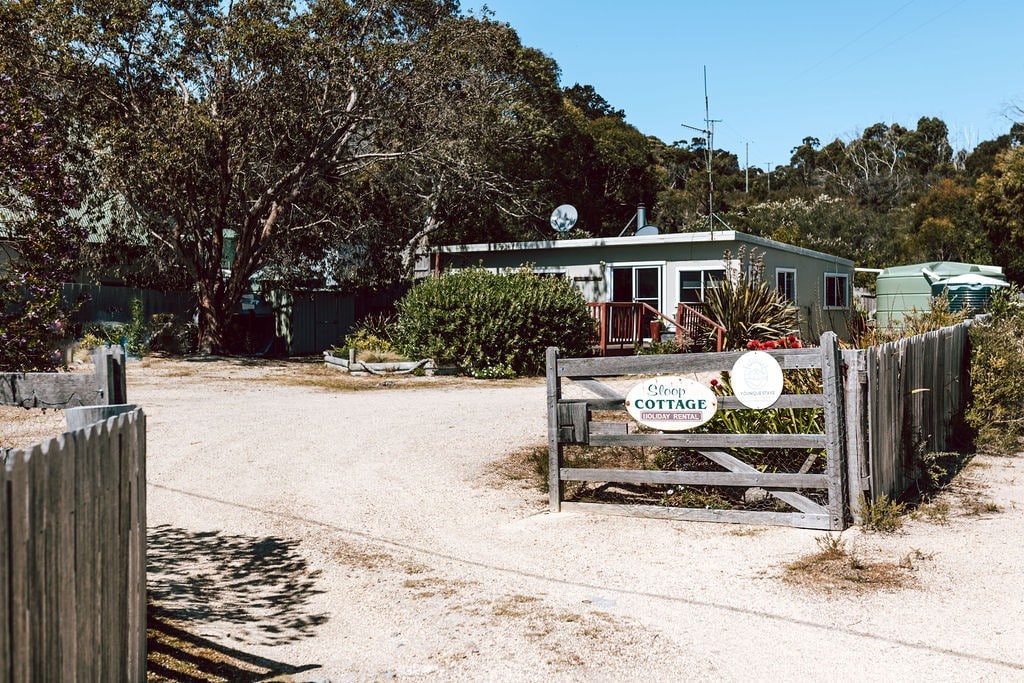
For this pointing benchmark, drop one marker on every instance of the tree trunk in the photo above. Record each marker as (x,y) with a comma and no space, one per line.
(213,322)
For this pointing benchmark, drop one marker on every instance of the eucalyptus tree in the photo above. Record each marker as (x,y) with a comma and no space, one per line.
(999,201)
(241,132)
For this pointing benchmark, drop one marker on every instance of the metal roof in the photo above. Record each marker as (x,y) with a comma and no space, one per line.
(662,239)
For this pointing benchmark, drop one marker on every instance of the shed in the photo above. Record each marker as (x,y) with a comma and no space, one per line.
(902,289)
(663,270)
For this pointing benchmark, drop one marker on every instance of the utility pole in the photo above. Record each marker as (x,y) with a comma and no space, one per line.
(746,167)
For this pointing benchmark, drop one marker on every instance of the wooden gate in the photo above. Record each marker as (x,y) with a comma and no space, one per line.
(571,421)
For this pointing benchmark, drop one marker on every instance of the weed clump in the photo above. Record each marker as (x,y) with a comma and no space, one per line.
(835,566)
(883,515)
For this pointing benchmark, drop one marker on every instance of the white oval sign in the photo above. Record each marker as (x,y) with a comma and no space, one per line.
(756,379)
(671,404)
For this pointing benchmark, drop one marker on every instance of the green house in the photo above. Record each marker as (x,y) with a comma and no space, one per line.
(663,270)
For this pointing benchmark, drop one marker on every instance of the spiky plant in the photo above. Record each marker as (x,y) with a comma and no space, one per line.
(747,307)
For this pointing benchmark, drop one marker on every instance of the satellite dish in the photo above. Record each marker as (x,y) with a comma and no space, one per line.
(564,217)
(647,230)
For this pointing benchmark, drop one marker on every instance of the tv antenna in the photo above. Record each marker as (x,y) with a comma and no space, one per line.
(709,138)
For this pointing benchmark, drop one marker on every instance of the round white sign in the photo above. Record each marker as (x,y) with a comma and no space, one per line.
(671,404)
(756,379)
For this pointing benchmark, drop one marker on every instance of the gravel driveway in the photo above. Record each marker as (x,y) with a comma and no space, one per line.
(364,535)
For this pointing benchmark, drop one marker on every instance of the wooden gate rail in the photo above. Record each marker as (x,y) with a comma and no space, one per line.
(106,385)
(569,422)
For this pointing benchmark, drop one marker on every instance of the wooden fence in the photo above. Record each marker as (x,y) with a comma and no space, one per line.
(905,399)
(570,421)
(73,529)
(106,303)
(106,385)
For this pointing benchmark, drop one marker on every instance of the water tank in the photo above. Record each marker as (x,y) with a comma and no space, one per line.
(970,292)
(902,289)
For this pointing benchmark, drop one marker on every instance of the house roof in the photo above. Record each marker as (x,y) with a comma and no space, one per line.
(663,239)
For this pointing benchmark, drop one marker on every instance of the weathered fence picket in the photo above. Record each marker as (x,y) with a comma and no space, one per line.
(73,525)
(914,396)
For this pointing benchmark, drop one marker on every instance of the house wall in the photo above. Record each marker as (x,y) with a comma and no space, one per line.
(590,267)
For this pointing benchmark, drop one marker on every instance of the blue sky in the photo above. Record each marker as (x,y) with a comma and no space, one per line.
(778,71)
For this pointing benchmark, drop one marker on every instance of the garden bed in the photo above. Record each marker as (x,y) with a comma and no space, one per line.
(355,366)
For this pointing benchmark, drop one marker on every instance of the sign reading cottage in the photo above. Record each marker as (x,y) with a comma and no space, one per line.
(667,269)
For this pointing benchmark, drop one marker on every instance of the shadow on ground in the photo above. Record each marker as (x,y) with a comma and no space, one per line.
(254,590)
(174,654)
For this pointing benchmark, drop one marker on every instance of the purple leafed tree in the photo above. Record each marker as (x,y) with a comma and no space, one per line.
(40,246)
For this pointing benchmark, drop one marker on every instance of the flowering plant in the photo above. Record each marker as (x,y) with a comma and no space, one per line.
(788,342)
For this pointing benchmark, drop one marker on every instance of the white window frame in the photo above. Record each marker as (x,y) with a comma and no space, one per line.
(845,277)
(610,278)
(702,266)
(786,271)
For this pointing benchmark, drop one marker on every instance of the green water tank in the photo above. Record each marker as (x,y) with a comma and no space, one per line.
(902,289)
(969,292)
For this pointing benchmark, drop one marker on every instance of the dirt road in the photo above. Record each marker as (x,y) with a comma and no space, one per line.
(363,535)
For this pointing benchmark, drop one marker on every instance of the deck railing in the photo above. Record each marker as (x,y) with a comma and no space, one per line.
(691,320)
(626,324)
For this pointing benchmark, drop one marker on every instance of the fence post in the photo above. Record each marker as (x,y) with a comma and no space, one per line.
(857,451)
(110,375)
(835,442)
(554,387)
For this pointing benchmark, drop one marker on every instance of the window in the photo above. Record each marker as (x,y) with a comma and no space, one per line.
(694,284)
(785,283)
(836,286)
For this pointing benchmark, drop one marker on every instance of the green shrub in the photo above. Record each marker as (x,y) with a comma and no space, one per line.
(883,515)
(375,333)
(997,379)
(136,331)
(475,319)
(172,334)
(657,348)
(363,340)
(499,371)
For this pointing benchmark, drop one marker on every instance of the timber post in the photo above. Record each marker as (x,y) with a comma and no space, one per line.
(835,438)
(554,392)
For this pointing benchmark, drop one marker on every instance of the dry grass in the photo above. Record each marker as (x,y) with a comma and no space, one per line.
(301,372)
(21,427)
(837,568)
(521,467)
